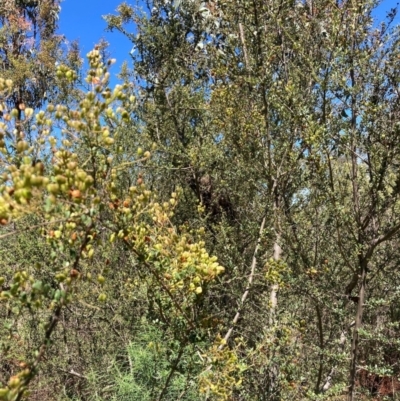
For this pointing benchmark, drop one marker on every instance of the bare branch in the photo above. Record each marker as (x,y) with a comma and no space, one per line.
(246,293)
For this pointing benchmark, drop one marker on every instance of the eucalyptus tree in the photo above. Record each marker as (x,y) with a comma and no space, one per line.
(286,98)
(223,95)
(30,48)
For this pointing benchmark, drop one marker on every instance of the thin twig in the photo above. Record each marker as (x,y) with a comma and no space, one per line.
(73,373)
(172,371)
(246,293)
(9,234)
(242,39)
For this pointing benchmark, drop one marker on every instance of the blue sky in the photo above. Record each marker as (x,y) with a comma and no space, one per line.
(82,20)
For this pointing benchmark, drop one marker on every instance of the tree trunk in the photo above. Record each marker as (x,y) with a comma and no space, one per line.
(273,297)
(357,326)
(273,390)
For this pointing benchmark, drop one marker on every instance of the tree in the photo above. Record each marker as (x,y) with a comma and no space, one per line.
(30,48)
(294,134)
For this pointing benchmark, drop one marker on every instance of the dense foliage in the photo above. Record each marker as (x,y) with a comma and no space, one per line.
(221,225)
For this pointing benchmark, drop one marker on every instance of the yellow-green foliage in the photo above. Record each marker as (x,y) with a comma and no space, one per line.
(81,207)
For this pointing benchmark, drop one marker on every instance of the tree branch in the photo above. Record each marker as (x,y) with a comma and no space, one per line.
(246,293)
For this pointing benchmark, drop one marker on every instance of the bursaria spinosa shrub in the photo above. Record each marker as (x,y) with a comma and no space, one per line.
(67,174)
